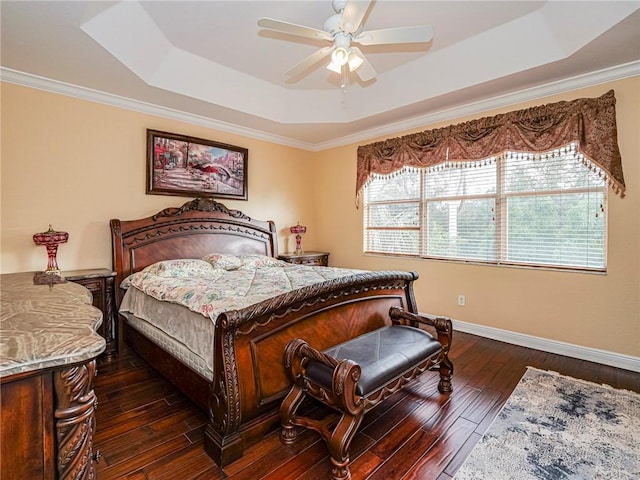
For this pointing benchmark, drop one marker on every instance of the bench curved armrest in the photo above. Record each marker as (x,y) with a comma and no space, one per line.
(442,325)
(344,377)
(297,353)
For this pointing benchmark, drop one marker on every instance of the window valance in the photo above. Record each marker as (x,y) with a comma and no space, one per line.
(589,122)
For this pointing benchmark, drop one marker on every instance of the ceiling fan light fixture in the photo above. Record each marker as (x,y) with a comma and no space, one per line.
(334,67)
(340,56)
(355,61)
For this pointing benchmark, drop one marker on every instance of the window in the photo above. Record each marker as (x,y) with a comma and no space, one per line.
(530,209)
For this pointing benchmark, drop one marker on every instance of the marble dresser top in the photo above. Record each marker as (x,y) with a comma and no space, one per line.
(44,326)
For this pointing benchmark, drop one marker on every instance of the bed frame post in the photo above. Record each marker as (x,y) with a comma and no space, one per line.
(223,450)
(222,441)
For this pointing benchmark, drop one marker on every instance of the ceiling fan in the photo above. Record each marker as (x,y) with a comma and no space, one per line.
(343,30)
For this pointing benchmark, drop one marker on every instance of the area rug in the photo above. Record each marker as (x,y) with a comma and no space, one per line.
(555,427)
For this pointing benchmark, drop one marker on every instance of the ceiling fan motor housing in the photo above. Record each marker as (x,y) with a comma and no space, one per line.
(342,40)
(332,24)
(338,5)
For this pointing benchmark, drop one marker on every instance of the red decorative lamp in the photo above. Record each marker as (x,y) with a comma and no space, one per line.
(299,230)
(51,239)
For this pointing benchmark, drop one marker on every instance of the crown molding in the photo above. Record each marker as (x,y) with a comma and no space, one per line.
(587,80)
(83,93)
(619,72)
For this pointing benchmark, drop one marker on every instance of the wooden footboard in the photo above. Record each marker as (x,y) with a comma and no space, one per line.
(249,375)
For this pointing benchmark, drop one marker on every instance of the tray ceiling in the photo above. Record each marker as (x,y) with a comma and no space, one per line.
(209,59)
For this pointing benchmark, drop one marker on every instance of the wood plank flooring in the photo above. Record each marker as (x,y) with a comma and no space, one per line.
(147,430)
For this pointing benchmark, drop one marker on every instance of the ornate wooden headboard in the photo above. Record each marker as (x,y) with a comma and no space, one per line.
(193,230)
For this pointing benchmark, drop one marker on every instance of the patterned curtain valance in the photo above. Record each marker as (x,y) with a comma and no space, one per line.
(589,122)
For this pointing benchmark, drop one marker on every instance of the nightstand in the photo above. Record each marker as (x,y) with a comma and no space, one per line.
(100,282)
(306,258)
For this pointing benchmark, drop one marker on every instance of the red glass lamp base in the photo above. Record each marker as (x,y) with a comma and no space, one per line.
(51,239)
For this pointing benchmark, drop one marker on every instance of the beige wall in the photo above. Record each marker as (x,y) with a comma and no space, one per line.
(77,164)
(597,311)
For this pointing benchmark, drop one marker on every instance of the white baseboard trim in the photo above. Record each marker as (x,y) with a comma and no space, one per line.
(604,357)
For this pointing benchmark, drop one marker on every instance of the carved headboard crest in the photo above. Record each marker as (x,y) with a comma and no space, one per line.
(201,205)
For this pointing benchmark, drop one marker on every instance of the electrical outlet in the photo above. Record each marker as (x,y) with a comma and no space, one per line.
(461,300)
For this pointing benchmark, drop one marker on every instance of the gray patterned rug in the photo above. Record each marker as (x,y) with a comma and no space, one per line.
(555,427)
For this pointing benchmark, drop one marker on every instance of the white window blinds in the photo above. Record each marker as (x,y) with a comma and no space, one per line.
(529,209)
(392,218)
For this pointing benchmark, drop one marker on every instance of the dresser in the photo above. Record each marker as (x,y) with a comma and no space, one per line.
(306,258)
(48,346)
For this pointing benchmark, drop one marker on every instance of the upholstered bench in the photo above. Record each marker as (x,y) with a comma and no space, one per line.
(356,375)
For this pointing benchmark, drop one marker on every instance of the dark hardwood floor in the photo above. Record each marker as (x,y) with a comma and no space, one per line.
(146,429)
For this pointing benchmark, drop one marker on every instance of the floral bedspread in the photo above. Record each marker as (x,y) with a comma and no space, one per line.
(210,291)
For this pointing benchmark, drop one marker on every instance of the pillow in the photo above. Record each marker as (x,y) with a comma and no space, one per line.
(186,267)
(228,261)
(126,283)
(259,261)
(223,260)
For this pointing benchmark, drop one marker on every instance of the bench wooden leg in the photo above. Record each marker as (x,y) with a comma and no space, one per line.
(338,440)
(339,444)
(446,372)
(288,410)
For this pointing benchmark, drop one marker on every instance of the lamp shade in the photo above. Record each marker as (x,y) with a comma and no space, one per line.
(355,61)
(334,67)
(340,56)
(51,239)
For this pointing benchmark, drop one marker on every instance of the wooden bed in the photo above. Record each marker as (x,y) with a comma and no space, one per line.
(249,379)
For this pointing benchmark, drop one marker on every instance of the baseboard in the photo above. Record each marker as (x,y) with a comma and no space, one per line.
(604,357)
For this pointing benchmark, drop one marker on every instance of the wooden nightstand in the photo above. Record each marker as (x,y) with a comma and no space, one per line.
(99,282)
(306,258)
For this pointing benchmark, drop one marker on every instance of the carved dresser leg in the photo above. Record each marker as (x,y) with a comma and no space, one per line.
(75,421)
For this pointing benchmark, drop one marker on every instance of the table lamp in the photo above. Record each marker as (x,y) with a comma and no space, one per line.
(299,230)
(51,239)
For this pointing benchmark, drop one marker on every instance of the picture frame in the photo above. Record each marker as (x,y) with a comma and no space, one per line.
(195,167)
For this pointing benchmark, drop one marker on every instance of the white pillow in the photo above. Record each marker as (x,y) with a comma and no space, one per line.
(224,261)
(184,267)
(227,261)
(259,261)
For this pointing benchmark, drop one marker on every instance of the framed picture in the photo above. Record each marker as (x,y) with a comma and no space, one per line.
(194,167)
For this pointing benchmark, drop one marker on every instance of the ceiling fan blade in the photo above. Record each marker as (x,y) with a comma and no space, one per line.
(308,62)
(365,71)
(416,34)
(293,29)
(352,15)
